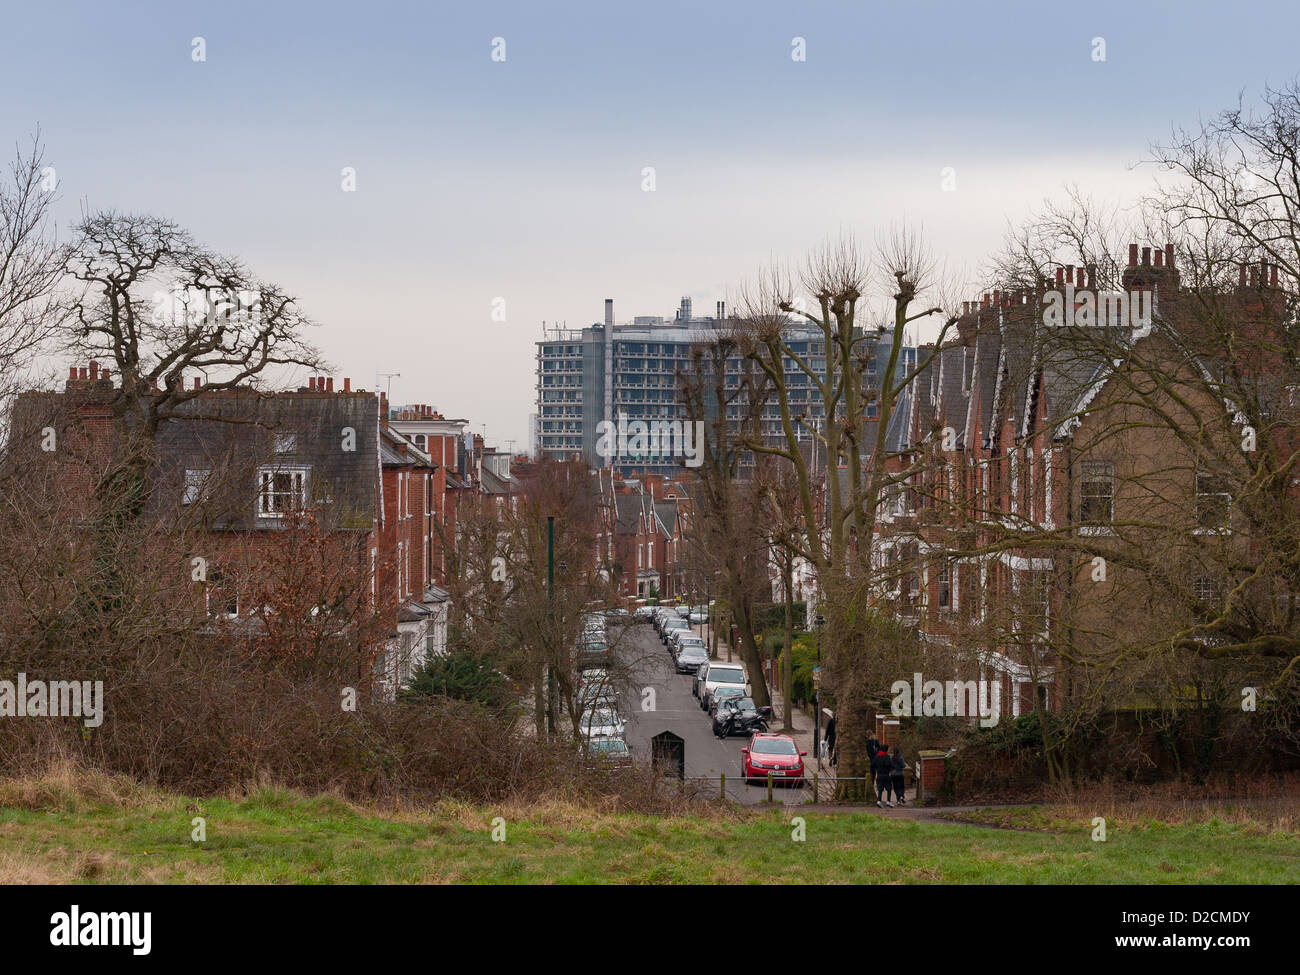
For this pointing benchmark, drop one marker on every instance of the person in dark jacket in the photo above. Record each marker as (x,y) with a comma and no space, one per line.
(830,739)
(896,766)
(882,767)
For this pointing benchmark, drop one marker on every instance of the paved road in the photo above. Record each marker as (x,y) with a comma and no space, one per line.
(677,710)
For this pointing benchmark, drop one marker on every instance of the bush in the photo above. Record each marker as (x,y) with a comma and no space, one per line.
(462,676)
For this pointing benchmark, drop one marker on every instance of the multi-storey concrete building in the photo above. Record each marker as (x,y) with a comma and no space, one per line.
(629,372)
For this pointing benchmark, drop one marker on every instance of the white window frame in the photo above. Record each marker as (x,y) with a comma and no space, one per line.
(195,480)
(300,484)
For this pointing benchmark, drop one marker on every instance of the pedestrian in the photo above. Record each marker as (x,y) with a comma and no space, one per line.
(882,768)
(830,739)
(897,765)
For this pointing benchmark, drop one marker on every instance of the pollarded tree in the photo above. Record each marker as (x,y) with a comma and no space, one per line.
(838,522)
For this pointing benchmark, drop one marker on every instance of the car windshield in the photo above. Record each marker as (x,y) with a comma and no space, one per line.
(726,675)
(600,716)
(695,653)
(723,693)
(773,746)
(742,703)
(612,745)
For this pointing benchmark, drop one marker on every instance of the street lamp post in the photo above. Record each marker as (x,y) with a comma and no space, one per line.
(550,608)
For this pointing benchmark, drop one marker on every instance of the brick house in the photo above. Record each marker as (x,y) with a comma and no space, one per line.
(243,466)
(1012,432)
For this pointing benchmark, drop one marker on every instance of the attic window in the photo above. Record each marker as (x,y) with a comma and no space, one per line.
(194,481)
(281,490)
(286,443)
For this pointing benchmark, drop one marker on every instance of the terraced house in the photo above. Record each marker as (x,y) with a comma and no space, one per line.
(1071,498)
(297,501)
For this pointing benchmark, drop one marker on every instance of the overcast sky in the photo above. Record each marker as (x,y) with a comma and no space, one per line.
(522,179)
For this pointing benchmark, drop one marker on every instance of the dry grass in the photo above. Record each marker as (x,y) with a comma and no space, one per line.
(66,787)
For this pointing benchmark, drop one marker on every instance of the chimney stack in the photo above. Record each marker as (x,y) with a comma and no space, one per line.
(609,312)
(329,385)
(94,369)
(1132,255)
(72,372)
(1146,256)
(347,385)
(196,382)
(1169,255)
(1160,258)
(83,373)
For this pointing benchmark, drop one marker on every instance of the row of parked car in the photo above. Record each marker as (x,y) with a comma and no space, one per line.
(600,726)
(723,691)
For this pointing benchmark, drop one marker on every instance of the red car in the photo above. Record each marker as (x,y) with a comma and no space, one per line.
(777,754)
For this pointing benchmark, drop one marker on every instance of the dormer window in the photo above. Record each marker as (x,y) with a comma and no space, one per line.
(286,443)
(281,490)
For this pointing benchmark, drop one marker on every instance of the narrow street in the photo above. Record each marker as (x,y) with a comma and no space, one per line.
(677,710)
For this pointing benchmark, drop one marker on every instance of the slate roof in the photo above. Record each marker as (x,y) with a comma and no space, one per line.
(231,433)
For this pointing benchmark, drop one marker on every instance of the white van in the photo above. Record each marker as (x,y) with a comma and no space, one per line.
(718,674)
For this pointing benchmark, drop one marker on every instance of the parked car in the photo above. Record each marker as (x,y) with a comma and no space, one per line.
(674,625)
(679,639)
(721,696)
(601,722)
(722,675)
(777,754)
(608,753)
(691,658)
(664,615)
(700,614)
(645,614)
(595,692)
(593,652)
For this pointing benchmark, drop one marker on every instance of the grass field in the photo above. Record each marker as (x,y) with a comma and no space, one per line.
(77,828)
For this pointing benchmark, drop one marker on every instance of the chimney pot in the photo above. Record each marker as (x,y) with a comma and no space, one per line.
(1132,255)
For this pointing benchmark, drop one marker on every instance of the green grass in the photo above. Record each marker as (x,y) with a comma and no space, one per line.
(61,833)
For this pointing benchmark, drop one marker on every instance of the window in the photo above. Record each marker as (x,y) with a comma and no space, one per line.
(286,443)
(1205,589)
(1213,502)
(221,599)
(945,586)
(1097,493)
(280,490)
(194,481)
